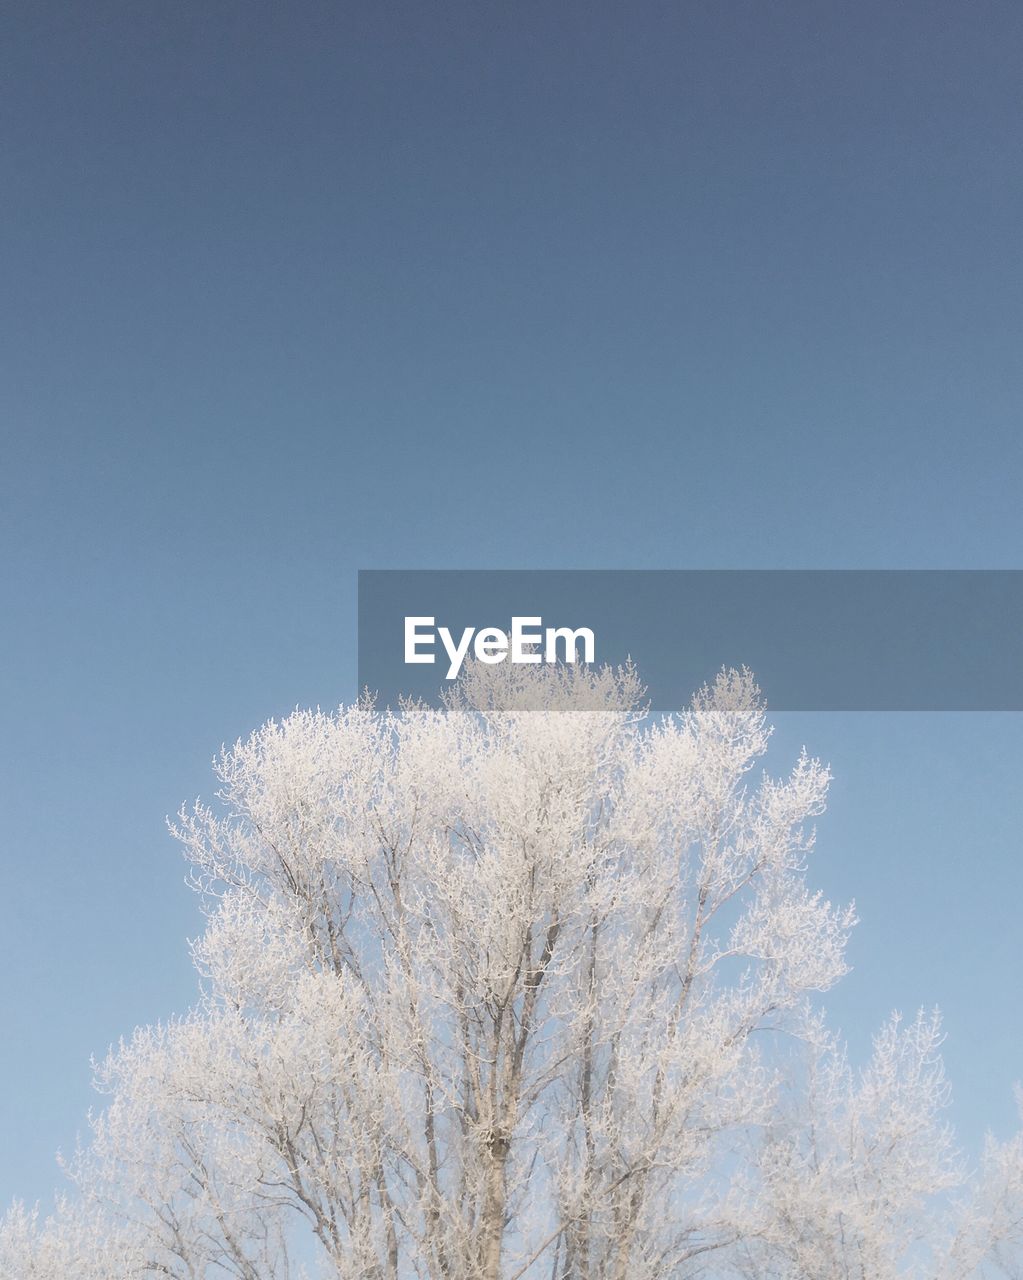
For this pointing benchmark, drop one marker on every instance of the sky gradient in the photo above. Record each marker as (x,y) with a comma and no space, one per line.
(295,290)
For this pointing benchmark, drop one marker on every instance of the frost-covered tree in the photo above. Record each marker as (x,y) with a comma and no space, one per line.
(849,1174)
(987,1239)
(492,992)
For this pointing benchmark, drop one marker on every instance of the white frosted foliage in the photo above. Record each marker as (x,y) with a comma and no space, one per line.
(509,989)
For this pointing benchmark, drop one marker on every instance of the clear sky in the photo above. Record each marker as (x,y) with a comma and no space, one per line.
(290,290)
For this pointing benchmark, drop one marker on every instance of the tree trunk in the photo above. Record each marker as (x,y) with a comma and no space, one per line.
(495,1198)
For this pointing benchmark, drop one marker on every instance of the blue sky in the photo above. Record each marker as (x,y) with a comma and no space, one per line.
(294,290)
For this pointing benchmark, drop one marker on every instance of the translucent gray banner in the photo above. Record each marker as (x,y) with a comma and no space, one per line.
(817,640)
